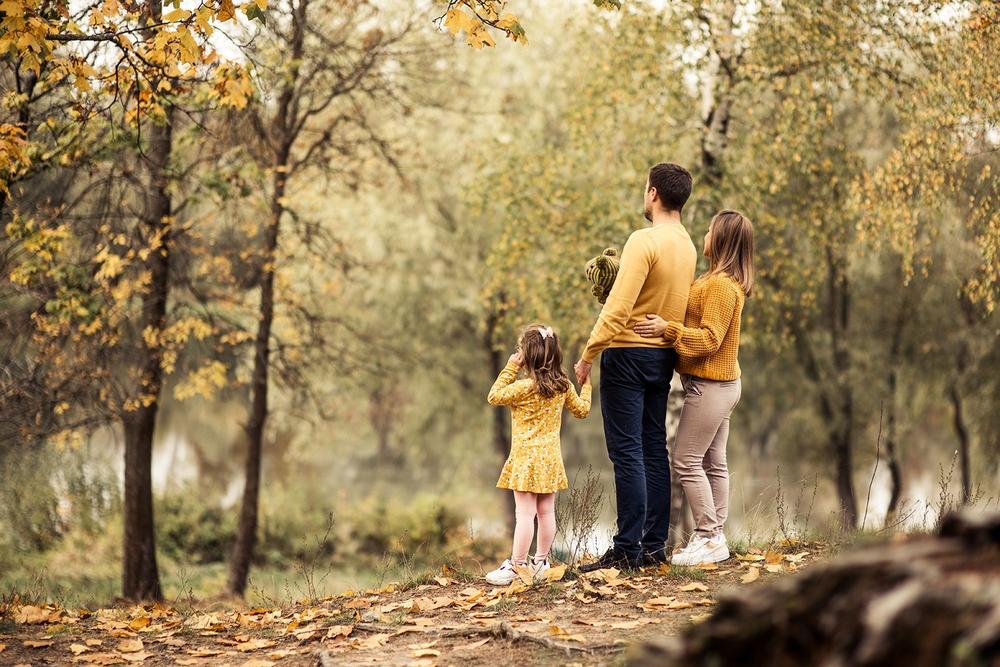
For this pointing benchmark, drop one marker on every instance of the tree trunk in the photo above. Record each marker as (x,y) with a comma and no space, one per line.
(717,96)
(842,426)
(501,420)
(501,431)
(962,433)
(891,448)
(140,579)
(927,602)
(246,535)
(963,363)
(281,132)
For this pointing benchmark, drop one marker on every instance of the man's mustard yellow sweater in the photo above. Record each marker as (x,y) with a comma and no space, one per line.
(655,274)
(709,340)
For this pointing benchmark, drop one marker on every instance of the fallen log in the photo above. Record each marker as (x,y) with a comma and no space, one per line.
(931,601)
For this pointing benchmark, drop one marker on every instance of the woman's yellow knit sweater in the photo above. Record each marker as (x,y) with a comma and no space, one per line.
(709,340)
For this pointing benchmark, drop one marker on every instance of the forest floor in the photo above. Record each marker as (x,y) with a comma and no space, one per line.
(443,618)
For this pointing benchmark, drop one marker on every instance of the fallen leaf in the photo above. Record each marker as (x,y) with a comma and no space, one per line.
(473,646)
(425,653)
(77,649)
(556,631)
(751,576)
(694,586)
(254,645)
(750,557)
(280,653)
(100,659)
(358,603)
(257,662)
(93,642)
(679,605)
(337,631)
(37,643)
(31,615)
(188,661)
(699,618)
(374,641)
(656,604)
(119,633)
(555,573)
(708,567)
(130,646)
(136,657)
(774,568)
(772,557)
(140,623)
(795,558)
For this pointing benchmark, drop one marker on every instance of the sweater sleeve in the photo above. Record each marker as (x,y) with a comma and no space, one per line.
(507,390)
(718,313)
(579,406)
(635,263)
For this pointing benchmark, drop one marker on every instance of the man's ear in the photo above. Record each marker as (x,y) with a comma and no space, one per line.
(656,195)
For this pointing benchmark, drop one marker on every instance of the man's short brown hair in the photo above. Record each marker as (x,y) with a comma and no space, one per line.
(672,183)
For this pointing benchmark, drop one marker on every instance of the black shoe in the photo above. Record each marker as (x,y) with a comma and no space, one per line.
(611,558)
(654,558)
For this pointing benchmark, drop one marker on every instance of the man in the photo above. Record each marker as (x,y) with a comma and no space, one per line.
(656,272)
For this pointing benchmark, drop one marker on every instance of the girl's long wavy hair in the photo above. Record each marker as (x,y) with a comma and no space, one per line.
(542,359)
(731,248)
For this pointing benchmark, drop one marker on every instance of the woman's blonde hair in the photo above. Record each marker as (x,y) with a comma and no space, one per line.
(731,248)
(542,359)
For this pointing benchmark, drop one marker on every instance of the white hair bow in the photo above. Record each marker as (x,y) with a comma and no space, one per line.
(546,332)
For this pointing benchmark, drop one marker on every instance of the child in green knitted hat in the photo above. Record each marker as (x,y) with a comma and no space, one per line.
(601,272)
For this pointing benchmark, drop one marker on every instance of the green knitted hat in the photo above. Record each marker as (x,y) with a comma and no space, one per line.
(601,272)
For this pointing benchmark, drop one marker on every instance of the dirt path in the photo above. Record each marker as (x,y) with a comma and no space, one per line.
(448,620)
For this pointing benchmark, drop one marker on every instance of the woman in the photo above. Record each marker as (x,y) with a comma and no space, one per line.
(707,343)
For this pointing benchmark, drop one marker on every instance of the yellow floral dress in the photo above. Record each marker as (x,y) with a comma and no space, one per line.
(535,463)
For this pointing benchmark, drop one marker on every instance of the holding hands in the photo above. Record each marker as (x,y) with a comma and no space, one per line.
(582,369)
(653,327)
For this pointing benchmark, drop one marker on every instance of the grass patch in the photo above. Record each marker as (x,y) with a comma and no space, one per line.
(419,579)
(687,573)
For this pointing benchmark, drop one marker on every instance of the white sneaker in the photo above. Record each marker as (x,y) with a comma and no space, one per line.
(702,550)
(503,575)
(539,567)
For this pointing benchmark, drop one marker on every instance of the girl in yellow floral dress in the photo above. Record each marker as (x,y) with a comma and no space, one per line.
(534,470)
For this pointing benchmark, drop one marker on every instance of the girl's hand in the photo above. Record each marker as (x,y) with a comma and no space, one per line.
(516,359)
(653,327)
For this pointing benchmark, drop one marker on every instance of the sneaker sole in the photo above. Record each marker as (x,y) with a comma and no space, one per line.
(709,560)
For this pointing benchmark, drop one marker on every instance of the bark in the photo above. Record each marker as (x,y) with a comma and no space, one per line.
(891,446)
(717,96)
(963,363)
(285,135)
(927,602)
(962,434)
(246,534)
(140,579)
(843,442)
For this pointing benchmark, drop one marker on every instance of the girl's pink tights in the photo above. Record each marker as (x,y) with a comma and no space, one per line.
(527,506)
